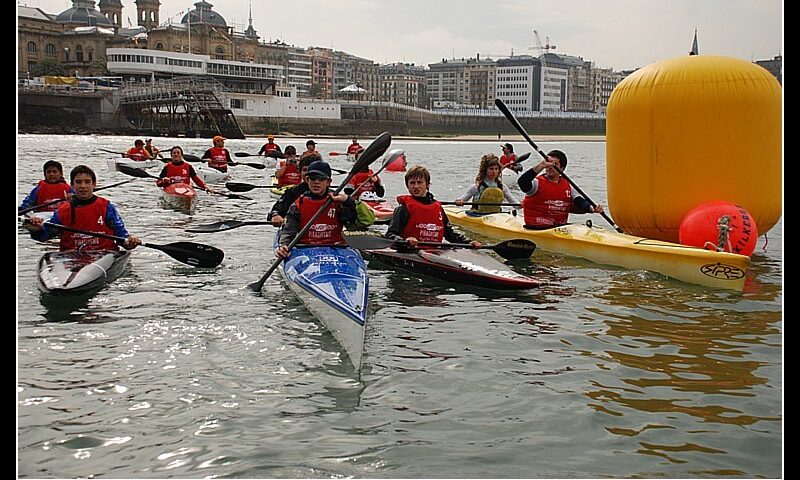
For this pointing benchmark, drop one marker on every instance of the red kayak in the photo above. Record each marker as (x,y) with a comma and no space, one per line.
(180,196)
(460,265)
(399,165)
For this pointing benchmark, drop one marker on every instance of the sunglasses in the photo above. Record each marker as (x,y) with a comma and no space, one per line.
(317,178)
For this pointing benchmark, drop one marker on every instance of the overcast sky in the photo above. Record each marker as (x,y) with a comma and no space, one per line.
(621,34)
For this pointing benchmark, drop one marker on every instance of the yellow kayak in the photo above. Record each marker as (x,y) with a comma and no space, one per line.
(277,190)
(600,245)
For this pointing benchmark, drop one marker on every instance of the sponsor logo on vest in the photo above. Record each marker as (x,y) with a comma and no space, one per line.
(722,271)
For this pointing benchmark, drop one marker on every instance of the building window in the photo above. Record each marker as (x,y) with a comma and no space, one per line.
(50,50)
(220,52)
(159,46)
(78,53)
(31,47)
(31,65)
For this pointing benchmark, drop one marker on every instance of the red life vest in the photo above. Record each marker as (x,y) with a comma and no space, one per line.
(353,148)
(291,176)
(327,229)
(551,204)
(268,147)
(425,222)
(179,173)
(92,218)
(49,192)
(219,158)
(505,160)
(138,154)
(362,177)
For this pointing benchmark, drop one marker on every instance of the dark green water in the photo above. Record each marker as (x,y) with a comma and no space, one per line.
(173,372)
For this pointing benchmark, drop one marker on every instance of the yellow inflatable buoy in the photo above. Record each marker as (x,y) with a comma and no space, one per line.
(690,130)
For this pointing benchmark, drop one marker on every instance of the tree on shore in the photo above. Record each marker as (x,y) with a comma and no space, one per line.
(98,67)
(47,67)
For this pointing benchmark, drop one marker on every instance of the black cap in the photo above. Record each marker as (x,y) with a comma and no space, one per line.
(508,146)
(310,142)
(561,156)
(319,168)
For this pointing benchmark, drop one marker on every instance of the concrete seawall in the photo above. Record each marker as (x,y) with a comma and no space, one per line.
(78,112)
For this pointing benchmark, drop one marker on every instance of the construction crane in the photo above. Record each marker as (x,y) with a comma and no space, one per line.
(538,47)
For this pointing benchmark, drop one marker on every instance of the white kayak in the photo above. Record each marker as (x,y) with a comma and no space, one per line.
(114,163)
(212,175)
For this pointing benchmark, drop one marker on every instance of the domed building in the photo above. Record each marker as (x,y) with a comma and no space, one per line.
(83,13)
(203,13)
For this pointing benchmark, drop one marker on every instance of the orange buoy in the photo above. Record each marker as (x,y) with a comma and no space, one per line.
(398,165)
(721,226)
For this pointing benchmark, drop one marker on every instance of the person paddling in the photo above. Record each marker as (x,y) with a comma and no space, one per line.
(327,228)
(218,156)
(549,198)
(354,148)
(85,211)
(311,151)
(508,159)
(419,217)
(179,171)
(151,149)
(137,152)
(289,171)
(365,181)
(52,187)
(488,187)
(270,146)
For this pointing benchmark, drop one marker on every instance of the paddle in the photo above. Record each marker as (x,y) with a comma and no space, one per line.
(194,254)
(519,160)
(195,159)
(375,150)
(37,207)
(486,204)
(136,172)
(125,154)
(246,187)
(271,153)
(223,226)
(510,249)
(336,154)
(510,116)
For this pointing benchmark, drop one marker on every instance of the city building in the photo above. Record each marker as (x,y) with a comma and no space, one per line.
(462,82)
(404,83)
(519,83)
(774,66)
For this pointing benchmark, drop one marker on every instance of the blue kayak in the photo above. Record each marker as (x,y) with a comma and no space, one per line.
(332,283)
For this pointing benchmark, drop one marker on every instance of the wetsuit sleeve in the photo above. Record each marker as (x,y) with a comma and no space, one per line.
(30,200)
(347,212)
(291,226)
(471,191)
(263,150)
(163,173)
(196,179)
(508,196)
(451,235)
(47,233)
(580,205)
(207,154)
(527,182)
(228,156)
(398,223)
(114,221)
(283,204)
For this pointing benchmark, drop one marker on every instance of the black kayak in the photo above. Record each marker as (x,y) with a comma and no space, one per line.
(460,265)
(72,273)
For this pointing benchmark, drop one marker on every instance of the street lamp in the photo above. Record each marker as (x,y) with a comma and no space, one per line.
(66,54)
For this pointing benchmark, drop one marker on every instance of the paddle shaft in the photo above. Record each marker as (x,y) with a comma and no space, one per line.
(518,126)
(37,207)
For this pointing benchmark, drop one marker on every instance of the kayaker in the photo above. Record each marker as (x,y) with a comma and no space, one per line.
(327,228)
(180,171)
(289,171)
(278,212)
(419,217)
(508,158)
(270,146)
(311,151)
(354,148)
(52,187)
(365,181)
(137,152)
(549,198)
(85,211)
(488,187)
(218,156)
(151,149)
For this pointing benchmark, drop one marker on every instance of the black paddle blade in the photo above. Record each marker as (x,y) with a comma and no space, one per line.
(514,249)
(257,166)
(242,154)
(233,196)
(523,157)
(242,187)
(222,226)
(134,172)
(368,242)
(191,158)
(190,253)
(275,154)
(375,149)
